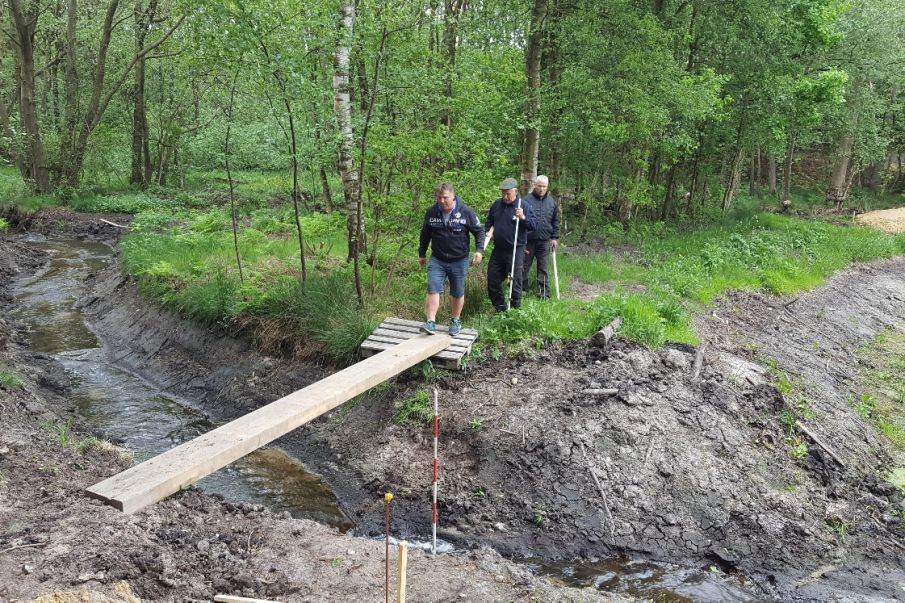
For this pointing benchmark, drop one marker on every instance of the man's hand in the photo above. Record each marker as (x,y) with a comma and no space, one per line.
(478,256)
(422,261)
(554,243)
(519,213)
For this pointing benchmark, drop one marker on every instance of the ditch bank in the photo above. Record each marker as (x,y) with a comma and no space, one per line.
(699,465)
(58,545)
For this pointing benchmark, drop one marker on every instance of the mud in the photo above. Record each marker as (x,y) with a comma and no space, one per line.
(693,469)
(58,545)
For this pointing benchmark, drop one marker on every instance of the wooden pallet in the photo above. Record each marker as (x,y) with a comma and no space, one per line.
(393,331)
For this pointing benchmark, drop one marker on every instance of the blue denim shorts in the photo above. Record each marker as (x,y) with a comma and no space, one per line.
(438,271)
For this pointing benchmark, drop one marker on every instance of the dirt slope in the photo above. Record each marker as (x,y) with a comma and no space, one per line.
(693,469)
(58,545)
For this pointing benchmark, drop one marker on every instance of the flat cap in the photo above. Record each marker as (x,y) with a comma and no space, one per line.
(508,183)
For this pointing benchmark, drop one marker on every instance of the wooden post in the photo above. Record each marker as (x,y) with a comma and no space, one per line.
(403,566)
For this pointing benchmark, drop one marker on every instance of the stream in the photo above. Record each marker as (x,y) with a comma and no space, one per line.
(132,413)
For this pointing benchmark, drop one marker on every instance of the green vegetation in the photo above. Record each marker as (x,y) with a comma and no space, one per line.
(4,225)
(62,434)
(9,379)
(673,132)
(415,411)
(882,363)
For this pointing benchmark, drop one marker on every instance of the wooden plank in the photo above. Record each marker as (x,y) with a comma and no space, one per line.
(402,567)
(382,346)
(442,360)
(412,326)
(158,477)
(404,330)
(388,337)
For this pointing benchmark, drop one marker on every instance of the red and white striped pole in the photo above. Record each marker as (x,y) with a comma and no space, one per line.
(436,468)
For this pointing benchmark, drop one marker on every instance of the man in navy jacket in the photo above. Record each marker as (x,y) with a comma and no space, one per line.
(504,214)
(447,225)
(544,238)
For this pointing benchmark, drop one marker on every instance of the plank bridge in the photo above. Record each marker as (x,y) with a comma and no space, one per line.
(158,477)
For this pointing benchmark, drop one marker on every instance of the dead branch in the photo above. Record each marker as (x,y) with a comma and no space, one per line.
(606,506)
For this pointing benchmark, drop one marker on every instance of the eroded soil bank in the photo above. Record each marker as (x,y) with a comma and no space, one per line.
(699,470)
(54,540)
(693,466)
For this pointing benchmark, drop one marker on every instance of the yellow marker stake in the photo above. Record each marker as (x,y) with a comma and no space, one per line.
(387,497)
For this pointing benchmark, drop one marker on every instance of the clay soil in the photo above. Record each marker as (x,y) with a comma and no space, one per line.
(691,460)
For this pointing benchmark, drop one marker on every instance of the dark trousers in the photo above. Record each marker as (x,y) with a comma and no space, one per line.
(497,270)
(540,250)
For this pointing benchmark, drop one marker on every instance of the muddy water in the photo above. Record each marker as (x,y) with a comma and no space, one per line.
(134,414)
(648,580)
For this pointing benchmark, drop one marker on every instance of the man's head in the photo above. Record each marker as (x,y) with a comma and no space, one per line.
(446,197)
(541,184)
(509,190)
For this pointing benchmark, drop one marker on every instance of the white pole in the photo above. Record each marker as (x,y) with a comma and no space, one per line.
(514,251)
(436,469)
(555,274)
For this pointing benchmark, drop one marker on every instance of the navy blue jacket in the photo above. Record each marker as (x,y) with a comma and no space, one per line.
(501,217)
(547,213)
(449,240)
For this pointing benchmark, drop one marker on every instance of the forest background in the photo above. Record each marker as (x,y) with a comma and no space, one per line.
(279,156)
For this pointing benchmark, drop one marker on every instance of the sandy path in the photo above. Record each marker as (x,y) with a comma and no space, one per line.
(887,220)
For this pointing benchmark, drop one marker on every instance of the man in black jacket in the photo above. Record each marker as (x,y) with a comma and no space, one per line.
(446,227)
(544,238)
(504,214)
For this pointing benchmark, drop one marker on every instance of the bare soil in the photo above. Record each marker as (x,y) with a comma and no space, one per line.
(57,545)
(887,220)
(696,470)
(697,467)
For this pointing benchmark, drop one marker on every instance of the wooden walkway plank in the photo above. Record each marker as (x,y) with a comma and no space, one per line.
(158,477)
(395,330)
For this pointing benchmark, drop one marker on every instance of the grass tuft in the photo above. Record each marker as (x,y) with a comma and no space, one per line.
(415,411)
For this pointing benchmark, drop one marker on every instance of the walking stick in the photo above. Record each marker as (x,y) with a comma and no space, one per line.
(514,250)
(555,274)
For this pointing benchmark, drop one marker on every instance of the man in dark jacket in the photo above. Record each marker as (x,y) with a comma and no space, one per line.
(543,238)
(446,227)
(502,218)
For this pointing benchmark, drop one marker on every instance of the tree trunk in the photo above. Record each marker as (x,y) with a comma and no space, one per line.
(229,177)
(6,130)
(23,34)
(771,176)
(752,175)
(787,172)
(450,44)
(343,108)
(141,173)
(531,143)
(670,193)
(734,178)
(837,192)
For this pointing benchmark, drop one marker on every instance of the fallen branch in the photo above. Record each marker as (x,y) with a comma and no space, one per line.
(699,360)
(602,337)
(112,223)
(23,546)
(600,392)
(819,442)
(606,506)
